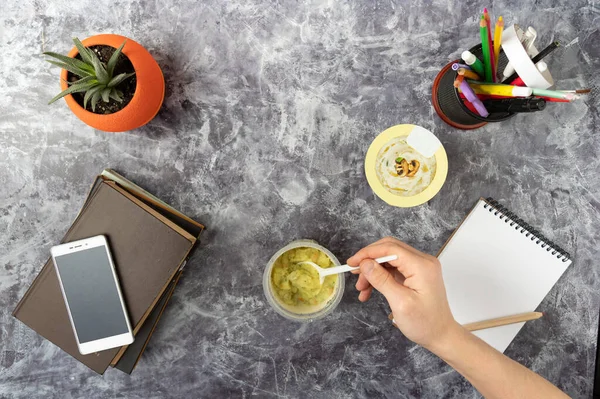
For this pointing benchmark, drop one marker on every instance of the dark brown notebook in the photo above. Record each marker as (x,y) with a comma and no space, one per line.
(188,224)
(181,220)
(148,250)
(133,352)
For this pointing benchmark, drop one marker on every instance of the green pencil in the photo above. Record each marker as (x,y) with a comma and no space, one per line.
(485,47)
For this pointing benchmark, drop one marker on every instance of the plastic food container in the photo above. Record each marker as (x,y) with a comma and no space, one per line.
(286,310)
(372,159)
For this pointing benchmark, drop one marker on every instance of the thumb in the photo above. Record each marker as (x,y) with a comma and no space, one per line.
(381,279)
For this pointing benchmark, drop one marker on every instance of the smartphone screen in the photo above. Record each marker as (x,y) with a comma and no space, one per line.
(91,293)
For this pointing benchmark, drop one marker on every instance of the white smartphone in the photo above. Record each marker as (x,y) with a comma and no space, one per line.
(90,287)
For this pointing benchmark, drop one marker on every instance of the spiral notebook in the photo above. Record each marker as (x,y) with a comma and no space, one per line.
(496,265)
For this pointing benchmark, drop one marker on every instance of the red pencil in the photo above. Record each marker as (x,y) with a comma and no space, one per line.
(470,106)
(518,82)
(554,100)
(486,15)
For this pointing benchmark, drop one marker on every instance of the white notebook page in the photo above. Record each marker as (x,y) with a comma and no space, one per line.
(492,270)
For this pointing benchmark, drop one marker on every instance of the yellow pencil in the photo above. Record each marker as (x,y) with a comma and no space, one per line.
(498,39)
(497,89)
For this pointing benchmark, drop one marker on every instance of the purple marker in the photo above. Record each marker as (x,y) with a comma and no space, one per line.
(473,99)
(456,65)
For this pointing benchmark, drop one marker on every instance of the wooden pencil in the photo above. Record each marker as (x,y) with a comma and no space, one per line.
(503,321)
(500,321)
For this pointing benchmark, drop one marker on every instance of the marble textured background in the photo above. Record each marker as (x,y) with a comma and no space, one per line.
(269,111)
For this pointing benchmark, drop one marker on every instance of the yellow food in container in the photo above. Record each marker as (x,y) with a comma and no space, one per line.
(294,290)
(298,285)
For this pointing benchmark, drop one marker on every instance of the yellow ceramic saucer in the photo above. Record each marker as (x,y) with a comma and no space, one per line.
(404,202)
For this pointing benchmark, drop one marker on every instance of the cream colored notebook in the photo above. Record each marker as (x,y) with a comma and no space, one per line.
(496,265)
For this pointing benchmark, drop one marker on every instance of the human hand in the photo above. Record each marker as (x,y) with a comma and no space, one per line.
(413,287)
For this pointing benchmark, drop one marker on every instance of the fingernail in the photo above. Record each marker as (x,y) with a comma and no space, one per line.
(367,266)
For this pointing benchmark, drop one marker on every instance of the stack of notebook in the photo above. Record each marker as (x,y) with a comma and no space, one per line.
(150,243)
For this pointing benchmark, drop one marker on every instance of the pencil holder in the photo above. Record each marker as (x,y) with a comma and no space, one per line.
(451,107)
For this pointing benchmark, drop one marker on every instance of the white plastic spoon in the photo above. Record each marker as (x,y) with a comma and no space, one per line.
(342,269)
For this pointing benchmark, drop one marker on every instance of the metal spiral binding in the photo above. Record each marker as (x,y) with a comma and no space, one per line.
(524,228)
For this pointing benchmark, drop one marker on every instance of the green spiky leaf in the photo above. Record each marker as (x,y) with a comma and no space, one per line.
(79,72)
(91,79)
(99,68)
(84,52)
(106,94)
(90,93)
(96,78)
(116,95)
(95,99)
(110,66)
(76,88)
(119,78)
(74,62)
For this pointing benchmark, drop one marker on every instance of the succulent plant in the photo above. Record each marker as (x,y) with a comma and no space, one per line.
(96,77)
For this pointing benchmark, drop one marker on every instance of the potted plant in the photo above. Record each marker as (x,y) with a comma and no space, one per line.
(110,82)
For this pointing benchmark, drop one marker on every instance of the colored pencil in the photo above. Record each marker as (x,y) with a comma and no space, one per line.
(502,321)
(488,24)
(498,41)
(554,100)
(468,74)
(485,46)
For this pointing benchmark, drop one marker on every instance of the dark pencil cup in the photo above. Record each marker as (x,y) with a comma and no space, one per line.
(451,108)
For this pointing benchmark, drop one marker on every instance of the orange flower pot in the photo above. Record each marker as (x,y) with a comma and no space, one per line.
(149,91)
